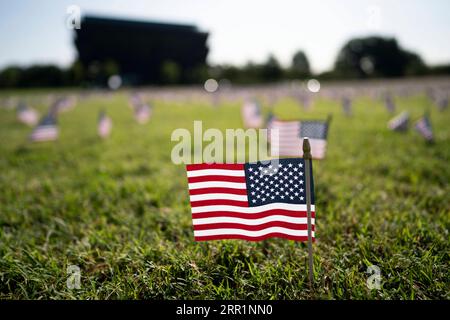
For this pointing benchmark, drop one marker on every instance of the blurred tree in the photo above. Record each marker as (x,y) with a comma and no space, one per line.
(10,77)
(300,65)
(76,74)
(375,57)
(170,72)
(271,70)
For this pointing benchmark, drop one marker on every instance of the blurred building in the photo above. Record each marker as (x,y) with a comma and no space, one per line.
(141,52)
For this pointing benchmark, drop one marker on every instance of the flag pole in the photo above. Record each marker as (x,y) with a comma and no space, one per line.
(307,158)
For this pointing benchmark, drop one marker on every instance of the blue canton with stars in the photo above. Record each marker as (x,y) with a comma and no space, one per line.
(282,181)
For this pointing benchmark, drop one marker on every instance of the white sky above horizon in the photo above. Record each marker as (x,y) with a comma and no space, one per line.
(240,31)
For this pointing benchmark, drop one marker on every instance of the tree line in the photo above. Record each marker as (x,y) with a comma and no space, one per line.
(360,58)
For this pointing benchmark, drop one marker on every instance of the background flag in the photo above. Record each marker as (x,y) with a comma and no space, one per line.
(423,127)
(251,115)
(142,113)
(291,134)
(46,130)
(347,106)
(26,114)
(104,125)
(251,201)
(400,122)
(389,103)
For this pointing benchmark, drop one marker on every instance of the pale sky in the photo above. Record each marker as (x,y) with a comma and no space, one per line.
(240,30)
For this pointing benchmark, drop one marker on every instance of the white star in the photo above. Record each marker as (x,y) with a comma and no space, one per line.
(250,169)
(286,193)
(257,180)
(295,169)
(270,166)
(258,196)
(291,181)
(251,178)
(301,189)
(295,177)
(263,199)
(296,185)
(277,185)
(277,193)
(301,198)
(285,169)
(272,197)
(252,185)
(301,173)
(257,188)
(282,189)
(301,181)
(291,197)
(271,182)
(291,190)
(300,165)
(253,193)
(282,197)
(253,200)
(290,173)
(272,189)
(280,165)
(290,165)
(296,194)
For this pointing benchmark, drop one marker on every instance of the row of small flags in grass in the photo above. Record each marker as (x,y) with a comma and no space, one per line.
(252,116)
(46,128)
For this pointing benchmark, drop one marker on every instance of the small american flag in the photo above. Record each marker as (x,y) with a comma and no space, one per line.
(63,104)
(251,115)
(347,106)
(251,201)
(442,103)
(423,127)
(46,130)
(142,113)
(27,115)
(400,122)
(389,103)
(104,125)
(291,134)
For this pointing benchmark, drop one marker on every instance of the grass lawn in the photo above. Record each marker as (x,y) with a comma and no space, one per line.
(119,209)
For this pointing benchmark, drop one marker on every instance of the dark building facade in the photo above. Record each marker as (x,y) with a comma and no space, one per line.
(141,52)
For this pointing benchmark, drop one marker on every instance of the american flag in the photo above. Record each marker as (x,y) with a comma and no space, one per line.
(291,134)
(423,127)
(26,114)
(389,103)
(104,125)
(46,130)
(135,100)
(251,115)
(400,122)
(251,201)
(142,113)
(63,104)
(347,106)
(442,103)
